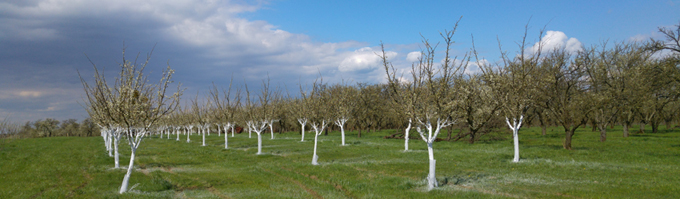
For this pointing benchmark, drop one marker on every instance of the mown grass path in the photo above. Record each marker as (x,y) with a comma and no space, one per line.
(640,166)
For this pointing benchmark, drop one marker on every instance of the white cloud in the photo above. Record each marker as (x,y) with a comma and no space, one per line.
(362,59)
(30,93)
(473,67)
(553,40)
(413,56)
(639,38)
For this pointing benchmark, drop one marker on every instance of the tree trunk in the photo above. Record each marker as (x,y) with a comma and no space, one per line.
(226,136)
(303,133)
(188,134)
(594,125)
(642,128)
(448,137)
(567,139)
(271,130)
(116,154)
(655,126)
(406,134)
(543,128)
(359,135)
(603,134)
(515,137)
(126,179)
(259,143)
(625,129)
(315,157)
(472,137)
(431,177)
(342,133)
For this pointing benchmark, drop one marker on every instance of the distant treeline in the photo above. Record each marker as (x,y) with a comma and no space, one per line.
(49,128)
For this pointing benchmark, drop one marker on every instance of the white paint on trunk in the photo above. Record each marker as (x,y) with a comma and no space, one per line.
(258,130)
(318,130)
(515,130)
(135,137)
(432,133)
(341,123)
(126,179)
(219,133)
(271,129)
(406,135)
(177,128)
(118,132)
(303,123)
(202,128)
(188,132)
(226,137)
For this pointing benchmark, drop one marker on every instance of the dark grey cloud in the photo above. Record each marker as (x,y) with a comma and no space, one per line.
(44,43)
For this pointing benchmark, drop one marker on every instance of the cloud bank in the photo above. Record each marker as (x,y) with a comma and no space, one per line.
(44,42)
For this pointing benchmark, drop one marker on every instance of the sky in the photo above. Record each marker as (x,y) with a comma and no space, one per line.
(44,44)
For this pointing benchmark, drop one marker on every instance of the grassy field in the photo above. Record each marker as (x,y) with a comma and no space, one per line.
(640,166)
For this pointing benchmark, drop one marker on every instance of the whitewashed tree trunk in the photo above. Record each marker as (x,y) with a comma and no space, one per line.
(202,128)
(318,130)
(232,130)
(134,139)
(107,134)
(515,130)
(303,123)
(258,131)
(271,128)
(406,135)
(177,128)
(250,129)
(432,133)
(341,123)
(226,141)
(109,139)
(219,132)
(188,132)
(314,156)
(126,179)
(116,138)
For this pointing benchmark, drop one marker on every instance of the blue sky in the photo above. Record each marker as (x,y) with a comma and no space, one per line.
(44,42)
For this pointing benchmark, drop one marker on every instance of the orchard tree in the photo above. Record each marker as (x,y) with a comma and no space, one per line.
(342,102)
(512,84)
(257,115)
(132,103)
(615,81)
(319,114)
(562,90)
(225,109)
(478,105)
(434,105)
(200,117)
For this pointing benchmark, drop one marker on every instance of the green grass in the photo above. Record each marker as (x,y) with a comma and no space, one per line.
(640,166)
